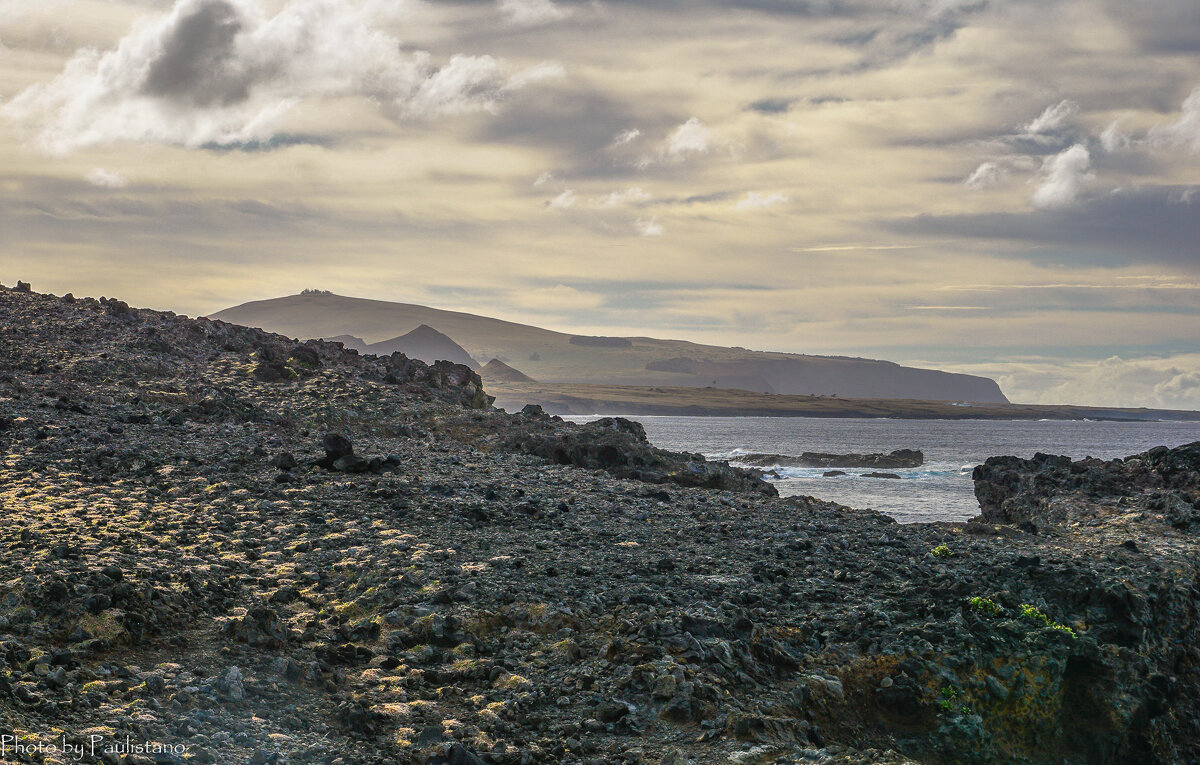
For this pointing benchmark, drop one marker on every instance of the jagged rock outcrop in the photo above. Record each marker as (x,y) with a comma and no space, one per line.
(1161,485)
(620,447)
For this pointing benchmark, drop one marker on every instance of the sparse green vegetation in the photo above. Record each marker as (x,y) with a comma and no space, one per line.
(1038,615)
(942,551)
(984,605)
(950,702)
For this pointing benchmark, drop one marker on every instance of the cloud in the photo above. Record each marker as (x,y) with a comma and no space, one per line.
(219,72)
(531,13)
(987,174)
(570,118)
(1150,224)
(755,200)
(563,201)
(543,179)
(1063,176)
(1185,131)
(631,195)
(1171,382)
(625,137)
(1046,133)
(547,70)
(1159,26)
(692,137)
(649,227)
(106,178)
(1113,140)
(557,298)
(1053,118)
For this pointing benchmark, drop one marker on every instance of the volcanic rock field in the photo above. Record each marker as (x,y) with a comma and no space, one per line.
(221,545)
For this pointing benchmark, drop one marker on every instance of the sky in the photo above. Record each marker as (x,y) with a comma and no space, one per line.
(1003,187)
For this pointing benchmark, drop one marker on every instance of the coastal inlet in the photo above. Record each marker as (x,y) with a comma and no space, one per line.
(940,489)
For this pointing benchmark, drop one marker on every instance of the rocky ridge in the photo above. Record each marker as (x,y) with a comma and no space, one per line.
(190,557)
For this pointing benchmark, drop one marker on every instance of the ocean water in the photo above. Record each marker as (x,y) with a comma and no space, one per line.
(941,489)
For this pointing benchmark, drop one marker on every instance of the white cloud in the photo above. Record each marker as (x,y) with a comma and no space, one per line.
(995,171)
(222,72)
(692,137)
(618,198)
(649,227)
(688,140)
(624,137)
(531,13)
(1172,382)
(1063,176)
(1168,382)
(108,179)
(1112,139)
(543,179)
(547,70)
(987,174)
(563,201)
(755,200)
(1052,118)
(1186,130)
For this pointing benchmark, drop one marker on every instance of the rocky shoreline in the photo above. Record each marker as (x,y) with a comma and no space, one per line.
(192,559)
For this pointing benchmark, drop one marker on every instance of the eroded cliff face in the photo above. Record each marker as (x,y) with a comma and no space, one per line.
(270,551)
(1131,682)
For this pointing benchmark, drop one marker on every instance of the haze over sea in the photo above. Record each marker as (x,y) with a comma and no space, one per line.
(941,489)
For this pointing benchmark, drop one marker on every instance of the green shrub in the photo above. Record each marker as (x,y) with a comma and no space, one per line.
(1038,615)
(984,605)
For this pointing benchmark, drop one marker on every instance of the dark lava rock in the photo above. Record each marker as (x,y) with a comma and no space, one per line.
(261,627)
(336,446)
(620,447)
(1048,489)
(880,475)
(351,463)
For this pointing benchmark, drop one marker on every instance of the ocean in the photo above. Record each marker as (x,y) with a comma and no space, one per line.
(941,489)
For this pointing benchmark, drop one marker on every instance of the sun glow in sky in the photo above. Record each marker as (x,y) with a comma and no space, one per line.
(1005,188)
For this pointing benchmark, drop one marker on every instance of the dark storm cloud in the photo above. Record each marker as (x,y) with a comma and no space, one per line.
(1150,225)
(771,105)
(1164,26)
(566,116)
(198,62)
(579,124)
